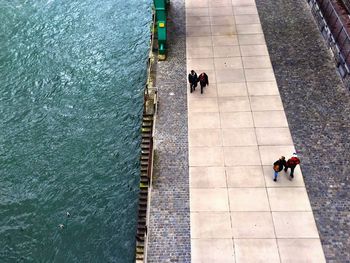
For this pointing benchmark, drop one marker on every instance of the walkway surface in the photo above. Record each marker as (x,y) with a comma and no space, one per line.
(236,130)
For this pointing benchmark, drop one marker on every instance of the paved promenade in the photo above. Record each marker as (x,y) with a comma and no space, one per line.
(236,130)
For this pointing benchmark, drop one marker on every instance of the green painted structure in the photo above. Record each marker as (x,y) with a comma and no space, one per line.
(160,7)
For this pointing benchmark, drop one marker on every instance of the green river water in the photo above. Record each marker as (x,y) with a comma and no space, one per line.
(72,75)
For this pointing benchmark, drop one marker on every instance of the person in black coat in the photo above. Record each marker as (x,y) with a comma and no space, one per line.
(203,80)
(193,80)
(278,166)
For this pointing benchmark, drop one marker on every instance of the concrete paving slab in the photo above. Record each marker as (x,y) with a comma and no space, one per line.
(243,2)
(236,120)
(200,63)
(247,20)
(257,62)
(216,200)
(245,176)
(228,51)
(220,11)
(197,31)
(248,155)
(195,42)
(197,11)
(233,104)
(259,74)
(256,251)
(228,63)
(254,39)
(230,75)
(223,30)
(266,103)
(197,21)
(249,29)
(212,250)
(199,120)
(225,41)
(254,50)
(273,136)
(204,104)
(248,199)
(196,3)
(207,177)
(205,137)
(270,119)
(219,3)
(200,52)
(245,10)
(301,251)
(252,225)
(295,225)
(262,88)
(210,225)
(206,156)
(232,89)
(288,199)
(239,137)
(222,20)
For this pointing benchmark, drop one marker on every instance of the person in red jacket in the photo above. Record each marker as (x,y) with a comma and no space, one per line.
(203,80)
(292,163)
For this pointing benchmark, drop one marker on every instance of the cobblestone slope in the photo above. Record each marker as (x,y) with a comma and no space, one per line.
(170,213)
(317,106)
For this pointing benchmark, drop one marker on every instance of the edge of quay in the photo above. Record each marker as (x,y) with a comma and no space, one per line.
(147,152)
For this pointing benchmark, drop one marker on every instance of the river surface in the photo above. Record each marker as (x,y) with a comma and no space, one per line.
(72,75)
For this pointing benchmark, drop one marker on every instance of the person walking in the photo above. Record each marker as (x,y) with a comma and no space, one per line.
(278,166)
(193,80)
(203,80)
(292,163)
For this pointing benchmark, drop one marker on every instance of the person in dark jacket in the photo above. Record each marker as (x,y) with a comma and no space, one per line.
(203,80)
(292,163)
(193,80)
(278,166)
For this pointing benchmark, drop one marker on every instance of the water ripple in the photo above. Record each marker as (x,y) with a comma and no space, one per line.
(72,75)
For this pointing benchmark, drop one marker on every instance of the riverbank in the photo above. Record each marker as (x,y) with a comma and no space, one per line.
(169,229)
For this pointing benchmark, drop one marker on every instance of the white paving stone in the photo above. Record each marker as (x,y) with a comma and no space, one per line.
(245,176)
(216,199)
(256,251)
(207,177)
(212,250)
(248,199)
(210,225)
(252,225)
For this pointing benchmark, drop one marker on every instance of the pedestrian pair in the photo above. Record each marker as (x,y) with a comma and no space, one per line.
(282,163)
(193,80)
